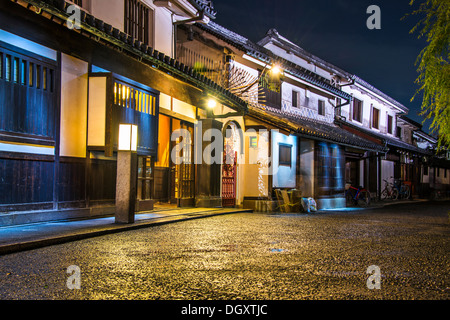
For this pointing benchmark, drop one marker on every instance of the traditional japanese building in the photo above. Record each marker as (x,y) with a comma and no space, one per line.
(69,76)
(371,115)
(291,141)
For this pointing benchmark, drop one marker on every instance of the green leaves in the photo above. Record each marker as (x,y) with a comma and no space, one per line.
(433,65)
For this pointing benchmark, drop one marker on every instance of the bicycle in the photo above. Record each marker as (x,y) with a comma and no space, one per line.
(389,191)
(357,196)
(404,190)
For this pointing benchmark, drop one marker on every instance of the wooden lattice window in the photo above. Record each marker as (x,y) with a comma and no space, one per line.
(357,110)
(390,122)
(138,21)
(285,155)
(27,94)
(375,118)
(321,108)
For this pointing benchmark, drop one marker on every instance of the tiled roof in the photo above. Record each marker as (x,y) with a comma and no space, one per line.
(107,33)
(227,35)
(411,122)
(206,6)
(259,52)
(380,93)
(313,129)
(389,141)
(273,35)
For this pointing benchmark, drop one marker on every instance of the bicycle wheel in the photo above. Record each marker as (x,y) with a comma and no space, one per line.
(394,194)
(407,192)
(385,194)
(349,199)
(364,199)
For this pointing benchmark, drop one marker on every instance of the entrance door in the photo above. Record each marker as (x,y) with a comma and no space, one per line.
(145,178)
(229,180)
(229,166)
(183,175)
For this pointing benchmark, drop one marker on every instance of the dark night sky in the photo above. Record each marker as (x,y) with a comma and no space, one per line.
(336,31)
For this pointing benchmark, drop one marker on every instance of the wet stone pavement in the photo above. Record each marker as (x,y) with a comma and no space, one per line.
(250,257)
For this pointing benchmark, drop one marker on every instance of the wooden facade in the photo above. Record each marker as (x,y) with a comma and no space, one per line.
(28,117)
(59,115)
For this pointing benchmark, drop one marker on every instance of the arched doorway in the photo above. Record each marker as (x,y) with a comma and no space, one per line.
(232,150)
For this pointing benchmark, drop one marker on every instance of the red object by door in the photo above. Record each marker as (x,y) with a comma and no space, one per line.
(229,181)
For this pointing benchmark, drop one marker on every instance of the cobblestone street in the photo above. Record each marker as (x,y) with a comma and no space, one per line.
(250,256)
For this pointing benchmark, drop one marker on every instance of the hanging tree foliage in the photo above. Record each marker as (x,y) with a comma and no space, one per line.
(433,65)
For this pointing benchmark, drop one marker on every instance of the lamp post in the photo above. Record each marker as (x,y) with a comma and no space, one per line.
(126,174)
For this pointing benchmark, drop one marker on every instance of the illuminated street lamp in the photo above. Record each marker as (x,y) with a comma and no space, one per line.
(126,173)
(276,70)
(128,137)
(274,78)
(212,103)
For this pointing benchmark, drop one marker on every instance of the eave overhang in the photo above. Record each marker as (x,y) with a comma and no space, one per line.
(381,95)
(312,129)
(55,11)
(391,143)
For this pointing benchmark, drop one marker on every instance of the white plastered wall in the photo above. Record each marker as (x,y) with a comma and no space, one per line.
(283,176)
(74,83)
(367,104)
(256,178)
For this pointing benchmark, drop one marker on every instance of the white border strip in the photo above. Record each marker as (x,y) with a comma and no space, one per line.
(24,148)
(27,45)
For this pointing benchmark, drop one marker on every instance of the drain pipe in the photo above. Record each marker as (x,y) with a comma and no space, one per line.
(200,17)
(343,104)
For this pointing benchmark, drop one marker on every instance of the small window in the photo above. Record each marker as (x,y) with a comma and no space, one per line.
(375,118)
(321,107)
(139,21)
(437,171)
(399,132)
(389,124)
(31,74)
(23,73)
(38,77)
(445,173)
(51,80)
(253,142)
(285,155)
(153,105)
(295,98)
(44,78)
(8,68)
(145,98)
(136,99)
(357,110)
(425,171)
(16,70)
